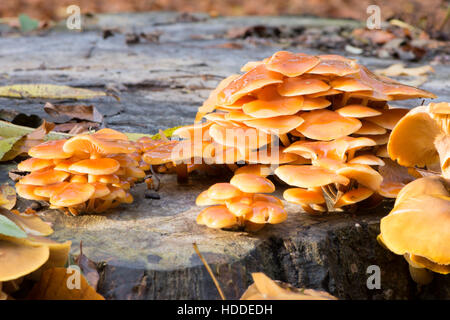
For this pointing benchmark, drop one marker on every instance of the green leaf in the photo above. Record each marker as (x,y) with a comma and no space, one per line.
(7,144)
(9,228)
(27,24)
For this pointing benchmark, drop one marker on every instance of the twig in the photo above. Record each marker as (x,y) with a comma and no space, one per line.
(209,271)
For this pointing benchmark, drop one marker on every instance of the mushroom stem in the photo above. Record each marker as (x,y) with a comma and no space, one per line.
(90,206)
(104,206)
(285,140)
(232,166)
(182,173)
(345,97)
(351,154)
(420,275)
(73,211)
(364,101)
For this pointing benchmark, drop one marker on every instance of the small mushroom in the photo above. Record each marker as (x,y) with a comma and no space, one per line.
(217,217)
(34,164)
(291,64)
(301,86)
(46,177)
(252,183)
(223,191)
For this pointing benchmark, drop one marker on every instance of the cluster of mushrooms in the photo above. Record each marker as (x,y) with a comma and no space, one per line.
(27,251)
(86,173)
(241,203)
(418,226)
(319,123)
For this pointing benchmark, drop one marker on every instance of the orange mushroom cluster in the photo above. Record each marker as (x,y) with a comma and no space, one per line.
(86,173)
(242,203)
(325,119)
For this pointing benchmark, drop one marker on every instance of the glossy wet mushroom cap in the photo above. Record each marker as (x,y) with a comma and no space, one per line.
(35,164)
(251,183)
(50,150)
(223,191)
(45,177)
(309,176)
(291,64)
(327,125)
(217,217)
(18,260)
(72,194)
(102,166)
(304,196)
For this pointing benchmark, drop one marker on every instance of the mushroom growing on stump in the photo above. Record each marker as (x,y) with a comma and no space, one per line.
(80,174)
(24,248)
(327,115)
(242,203)
(418,226)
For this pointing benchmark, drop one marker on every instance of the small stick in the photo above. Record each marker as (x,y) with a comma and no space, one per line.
(209,271)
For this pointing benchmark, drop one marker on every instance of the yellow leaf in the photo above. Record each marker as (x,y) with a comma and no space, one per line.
(48,91)
(53,285)
(8,196)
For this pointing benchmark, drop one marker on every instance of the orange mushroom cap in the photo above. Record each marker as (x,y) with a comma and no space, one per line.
(335,65)
(223,191)
(252,183)
(301,86)
(35,164)
(369,128)
(266,212)
(363,174)
(353,196)
(291,64)
(309,176)
(358,111)
(92,145)
(389,117)
(277,125)
(217,217)
(262,170)
(47,191)
(304,196)
(256,78)
(101,166)
(204,200)
(26,191)
(109,134)
(45,177)
(327,125)
(72,194)
(50,150)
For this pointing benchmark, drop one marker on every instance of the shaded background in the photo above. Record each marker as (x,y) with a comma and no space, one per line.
(430,15)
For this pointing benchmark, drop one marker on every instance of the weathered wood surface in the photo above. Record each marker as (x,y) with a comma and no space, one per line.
(145,249)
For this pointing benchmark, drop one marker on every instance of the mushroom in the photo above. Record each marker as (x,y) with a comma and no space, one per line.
(217,217)
(50,150)
(327,125)
(291,64)
(252,183)
(419,138)
(412,228)
(309,176)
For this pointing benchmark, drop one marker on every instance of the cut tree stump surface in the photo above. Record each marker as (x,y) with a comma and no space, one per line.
(144,250)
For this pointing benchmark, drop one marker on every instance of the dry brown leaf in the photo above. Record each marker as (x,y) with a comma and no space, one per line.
(53,285)
(32,139)
(64,113)
(88,267)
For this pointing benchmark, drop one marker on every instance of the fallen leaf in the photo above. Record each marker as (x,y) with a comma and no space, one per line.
(22,145)
(10,229)
(48,91)
(8,196)
(399,69)
(88,267)
(73,128)
(63,113)
(54,285)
